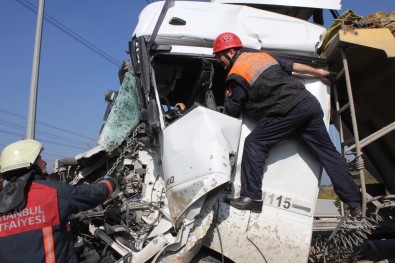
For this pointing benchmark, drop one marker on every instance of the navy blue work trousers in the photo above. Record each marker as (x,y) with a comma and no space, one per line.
(305,120)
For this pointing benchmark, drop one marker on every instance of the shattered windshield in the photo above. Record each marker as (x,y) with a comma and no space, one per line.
(124,115)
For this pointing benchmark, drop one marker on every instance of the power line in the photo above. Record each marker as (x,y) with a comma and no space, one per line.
(44,140)
(14,102)
(71,33)
(48,125)
(63,144)
(47,134)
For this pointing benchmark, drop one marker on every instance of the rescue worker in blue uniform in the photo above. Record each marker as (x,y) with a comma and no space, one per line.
(262,86)
(34,212)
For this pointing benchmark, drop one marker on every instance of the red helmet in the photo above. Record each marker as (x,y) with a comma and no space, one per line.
(225,41)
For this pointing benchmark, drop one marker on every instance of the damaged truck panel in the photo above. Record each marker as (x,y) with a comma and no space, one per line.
(275,31)
(198,150)
(290,189)
(175,167)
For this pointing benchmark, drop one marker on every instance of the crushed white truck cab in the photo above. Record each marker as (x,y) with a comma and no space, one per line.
(174,168)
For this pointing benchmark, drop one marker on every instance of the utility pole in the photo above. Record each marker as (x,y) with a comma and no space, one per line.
(31,121)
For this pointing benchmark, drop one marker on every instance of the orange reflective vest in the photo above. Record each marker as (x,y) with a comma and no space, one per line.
(270,89)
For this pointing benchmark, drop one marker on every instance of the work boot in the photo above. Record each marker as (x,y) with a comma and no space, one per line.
(246,203)
(356,212)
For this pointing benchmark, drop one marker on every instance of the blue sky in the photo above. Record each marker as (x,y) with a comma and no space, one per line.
(73,79)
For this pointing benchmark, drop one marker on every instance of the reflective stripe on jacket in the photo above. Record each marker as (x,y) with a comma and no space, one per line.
(270,89)
(39,232)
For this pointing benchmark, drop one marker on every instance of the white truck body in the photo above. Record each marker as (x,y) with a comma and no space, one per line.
(195,149)
(258,29)
(197,158)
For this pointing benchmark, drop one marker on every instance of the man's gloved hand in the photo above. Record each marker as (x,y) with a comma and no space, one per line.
(111,181)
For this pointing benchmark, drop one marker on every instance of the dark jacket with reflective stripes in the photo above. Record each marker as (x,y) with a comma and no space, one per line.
(271,90)
(38,232)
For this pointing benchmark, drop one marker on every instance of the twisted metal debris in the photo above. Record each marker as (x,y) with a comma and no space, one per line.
(345,241)
(344,244)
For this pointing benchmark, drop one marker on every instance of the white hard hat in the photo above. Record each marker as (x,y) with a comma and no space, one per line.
(20,154)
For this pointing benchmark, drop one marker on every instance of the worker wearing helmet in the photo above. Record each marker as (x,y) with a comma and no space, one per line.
(262,86)
(34,212)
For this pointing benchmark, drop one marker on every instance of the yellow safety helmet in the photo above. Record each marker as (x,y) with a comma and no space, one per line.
(20,154)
